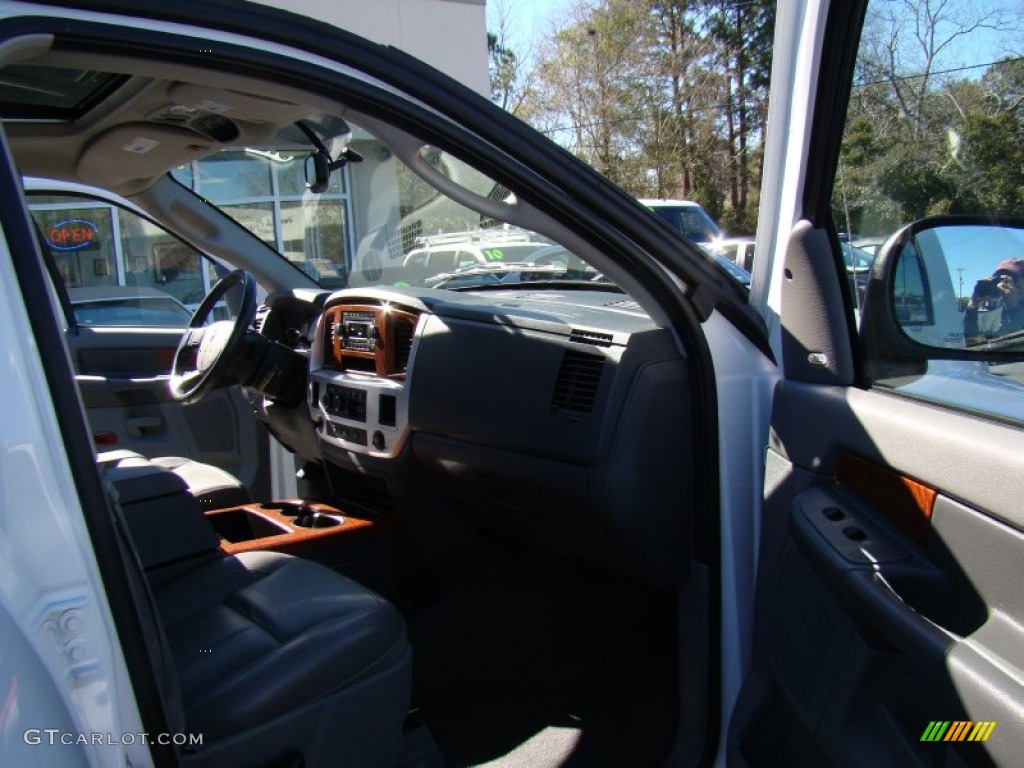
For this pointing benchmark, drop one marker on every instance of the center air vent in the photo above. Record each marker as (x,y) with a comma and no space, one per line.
(578,379)
(403,343)
(590,337)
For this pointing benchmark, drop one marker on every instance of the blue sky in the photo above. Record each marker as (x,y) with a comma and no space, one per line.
(527,19)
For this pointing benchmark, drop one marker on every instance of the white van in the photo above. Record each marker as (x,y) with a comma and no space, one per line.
(692,221)
(926,303)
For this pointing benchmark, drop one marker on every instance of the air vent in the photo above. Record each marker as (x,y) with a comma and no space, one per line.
(590,337)
(577,383)
(403,344)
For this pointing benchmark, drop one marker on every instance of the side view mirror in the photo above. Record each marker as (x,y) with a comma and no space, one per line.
(945,288)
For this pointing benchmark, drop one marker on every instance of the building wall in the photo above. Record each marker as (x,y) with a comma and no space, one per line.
(265,193)
(450,35)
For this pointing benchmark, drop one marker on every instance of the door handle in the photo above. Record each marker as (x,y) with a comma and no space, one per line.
(881,609)
(138,425)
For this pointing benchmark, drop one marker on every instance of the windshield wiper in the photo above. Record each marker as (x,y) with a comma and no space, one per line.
(563,283)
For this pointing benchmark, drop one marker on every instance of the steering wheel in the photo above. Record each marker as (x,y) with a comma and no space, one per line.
(205,352)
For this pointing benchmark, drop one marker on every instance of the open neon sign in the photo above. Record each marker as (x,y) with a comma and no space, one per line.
(72,235)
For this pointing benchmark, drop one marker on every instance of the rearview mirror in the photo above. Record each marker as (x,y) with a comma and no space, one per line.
(945,287)
(319,164)
(318,172)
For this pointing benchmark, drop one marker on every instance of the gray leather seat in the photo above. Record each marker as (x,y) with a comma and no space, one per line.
(275,660)
(276,655)
(212,487)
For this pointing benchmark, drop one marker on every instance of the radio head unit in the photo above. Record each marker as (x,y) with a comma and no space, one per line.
(357,331)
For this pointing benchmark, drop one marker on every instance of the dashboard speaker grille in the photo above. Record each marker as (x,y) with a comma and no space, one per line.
(595,338)
(578,379)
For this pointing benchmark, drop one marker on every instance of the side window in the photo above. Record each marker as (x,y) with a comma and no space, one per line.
(442,260)
(120,269)
(933,138)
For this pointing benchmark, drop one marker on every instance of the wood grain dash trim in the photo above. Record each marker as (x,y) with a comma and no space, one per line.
(903,501)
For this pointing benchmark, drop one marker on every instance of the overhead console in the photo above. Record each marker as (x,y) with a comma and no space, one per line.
(360,362)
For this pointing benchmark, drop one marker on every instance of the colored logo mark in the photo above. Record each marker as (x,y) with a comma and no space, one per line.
(958,730)
(72,235)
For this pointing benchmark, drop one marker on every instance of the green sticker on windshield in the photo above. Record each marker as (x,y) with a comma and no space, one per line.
(493,254)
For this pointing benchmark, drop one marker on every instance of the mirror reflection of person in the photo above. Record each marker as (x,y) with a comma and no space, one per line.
(996,307)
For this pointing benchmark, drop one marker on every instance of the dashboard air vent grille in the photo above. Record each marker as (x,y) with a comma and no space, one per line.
(403,344)
(577,383)
(590,337)
(332,333)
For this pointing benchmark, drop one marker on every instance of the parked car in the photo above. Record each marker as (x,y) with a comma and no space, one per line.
(446,252)
(650,520)
(858,270)
(502,273)
(687,218)
(739,250)
(738,273)
(122,305)
(869,244)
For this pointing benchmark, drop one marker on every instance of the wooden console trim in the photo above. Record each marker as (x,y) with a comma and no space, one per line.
(298,538)
(386,321)
(903,501)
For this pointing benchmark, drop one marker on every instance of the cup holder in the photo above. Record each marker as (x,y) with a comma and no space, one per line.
(291,507)
(305,515)
(313,519)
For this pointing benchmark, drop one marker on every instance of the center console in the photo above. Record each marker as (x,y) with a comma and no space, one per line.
(354,546)
(358,395)
(296,527)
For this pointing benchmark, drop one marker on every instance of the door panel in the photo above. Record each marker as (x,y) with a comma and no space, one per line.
(885,613)
(122,374)
(126,279)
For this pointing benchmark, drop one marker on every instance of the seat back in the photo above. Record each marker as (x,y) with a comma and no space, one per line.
(157,647)
(154,503)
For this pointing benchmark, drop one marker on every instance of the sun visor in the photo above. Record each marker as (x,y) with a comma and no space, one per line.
(138,152)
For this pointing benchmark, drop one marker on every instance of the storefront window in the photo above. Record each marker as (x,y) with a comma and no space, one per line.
(233,176)
(81,240)
(119,268)
(291,177)
(265,191)
(313,238)
(258,218)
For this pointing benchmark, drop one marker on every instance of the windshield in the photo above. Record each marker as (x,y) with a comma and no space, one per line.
(379,222)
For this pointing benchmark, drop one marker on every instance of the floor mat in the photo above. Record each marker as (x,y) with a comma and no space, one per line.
(540,661)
